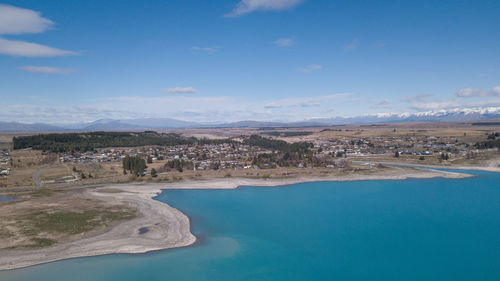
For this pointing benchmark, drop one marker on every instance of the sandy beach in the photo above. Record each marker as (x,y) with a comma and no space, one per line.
(164,227)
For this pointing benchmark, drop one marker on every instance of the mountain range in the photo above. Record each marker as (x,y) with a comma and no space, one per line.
(455,115)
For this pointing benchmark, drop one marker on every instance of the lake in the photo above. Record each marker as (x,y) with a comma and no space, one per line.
(426,229)
(4,198)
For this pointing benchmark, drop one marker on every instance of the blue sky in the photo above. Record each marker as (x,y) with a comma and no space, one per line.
(229,60)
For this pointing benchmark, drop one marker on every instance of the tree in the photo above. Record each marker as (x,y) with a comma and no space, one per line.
(216,165)
(154,174)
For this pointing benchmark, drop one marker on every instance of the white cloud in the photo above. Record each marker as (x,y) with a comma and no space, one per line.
(471,92)
(210,50)
(283,42)
(213,109)
(455,103)
(304,102)
(226,108)
(422,101)
(352,46)
(181,90)
(14,20)
(272,105)
(46,69)
(28,113)
(248,6)
(310,68)
(26,49)
(437,105)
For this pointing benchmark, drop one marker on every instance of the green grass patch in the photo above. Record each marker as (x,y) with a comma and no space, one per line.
(42,192)
(69,222)
(42,242)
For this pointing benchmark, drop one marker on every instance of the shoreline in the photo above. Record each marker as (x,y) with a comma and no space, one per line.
(168,227)
(492,165)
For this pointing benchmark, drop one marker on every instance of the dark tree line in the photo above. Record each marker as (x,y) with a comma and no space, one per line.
(135,165)
(493,140)
(286,154)
(179,164)
(488,144)
(277,145)
(287,134)
(90,141)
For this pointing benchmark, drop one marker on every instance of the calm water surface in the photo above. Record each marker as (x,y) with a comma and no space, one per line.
(432,229)
(4,198)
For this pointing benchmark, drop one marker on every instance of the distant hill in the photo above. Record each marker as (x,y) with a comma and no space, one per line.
(16,127)
(456,115)
(264,124)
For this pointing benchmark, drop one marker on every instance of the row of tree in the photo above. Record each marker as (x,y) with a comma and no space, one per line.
(493,141)
(82,142)
(134,164)
(277,145)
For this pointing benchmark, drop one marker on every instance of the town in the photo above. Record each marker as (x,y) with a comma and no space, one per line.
(4,163)
(174,154)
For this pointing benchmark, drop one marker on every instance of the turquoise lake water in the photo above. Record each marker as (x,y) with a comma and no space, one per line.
(426,229)
(4,198)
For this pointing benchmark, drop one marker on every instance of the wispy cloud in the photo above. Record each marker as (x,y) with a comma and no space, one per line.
(26,49)
(210,50)
(379,44)
(181,90)
(352,46)
(310,68)
(471,92)
(283,42)
(383,102)
(217,108)
(272,105)
(14,20)
(417,98)
(248,6)
(46,69)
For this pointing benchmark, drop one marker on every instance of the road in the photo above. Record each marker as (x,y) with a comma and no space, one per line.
(36,175)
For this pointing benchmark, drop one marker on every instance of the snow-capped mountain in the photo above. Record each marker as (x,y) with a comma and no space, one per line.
(453,115)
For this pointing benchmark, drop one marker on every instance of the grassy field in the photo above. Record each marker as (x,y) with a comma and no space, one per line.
(47,217)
